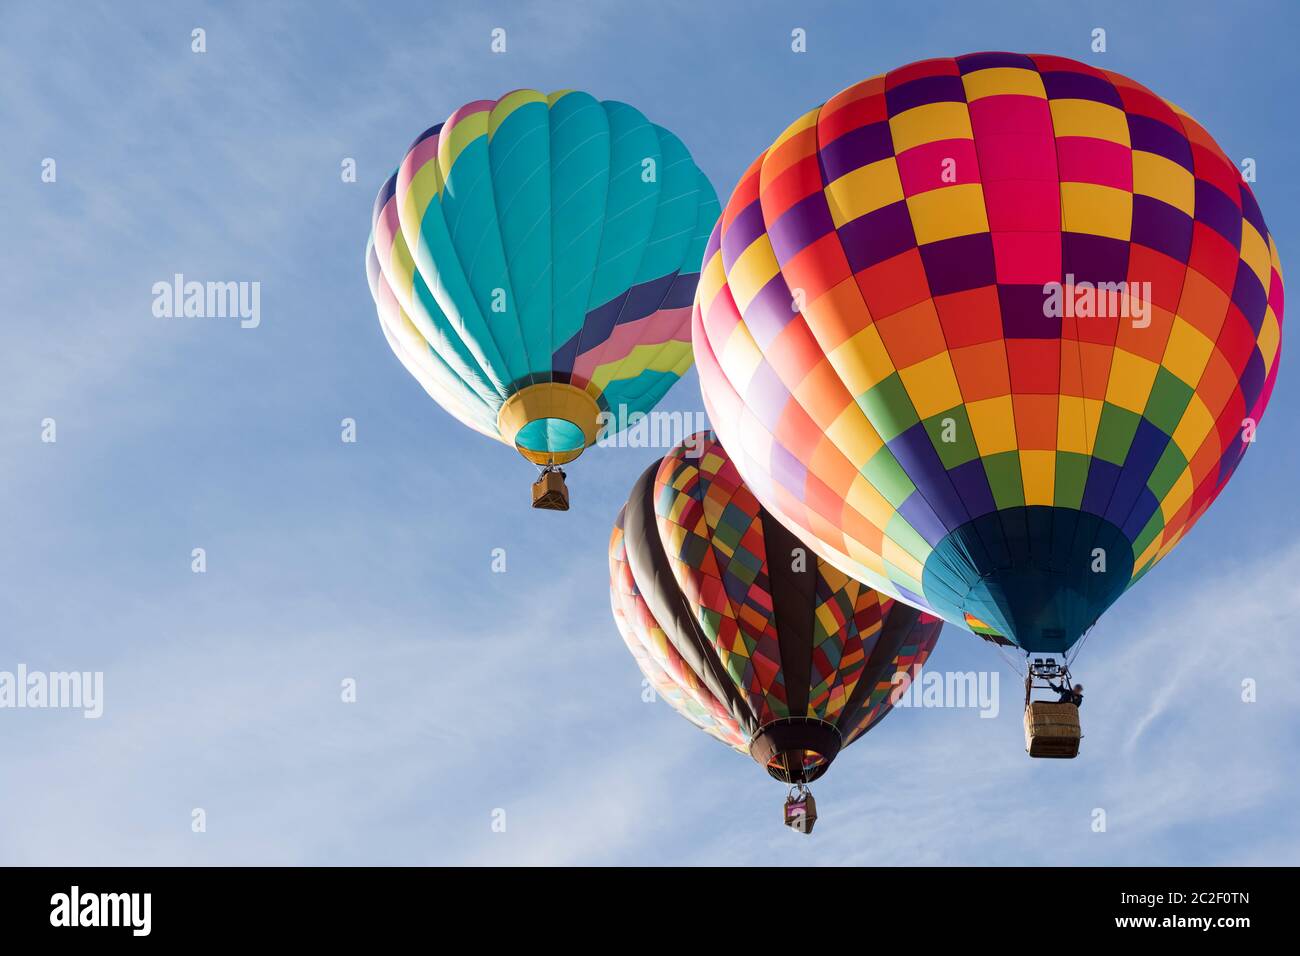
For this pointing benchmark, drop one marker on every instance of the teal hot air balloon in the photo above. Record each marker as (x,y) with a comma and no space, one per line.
(534,260)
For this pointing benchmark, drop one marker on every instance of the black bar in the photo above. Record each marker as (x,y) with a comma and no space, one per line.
(1040,907)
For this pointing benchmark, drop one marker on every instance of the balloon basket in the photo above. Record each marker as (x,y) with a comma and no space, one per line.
(550,492)
(1052,729)
(800,810)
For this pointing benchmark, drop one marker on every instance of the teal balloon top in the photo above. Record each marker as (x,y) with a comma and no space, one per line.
(534,261)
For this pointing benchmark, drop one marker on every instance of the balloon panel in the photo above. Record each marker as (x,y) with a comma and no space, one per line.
(668,674)
(991,333)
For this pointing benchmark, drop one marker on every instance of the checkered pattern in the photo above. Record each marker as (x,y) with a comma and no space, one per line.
(871,329)
(710,530)
(907,663)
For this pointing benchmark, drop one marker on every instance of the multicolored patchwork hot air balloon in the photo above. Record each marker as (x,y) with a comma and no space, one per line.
(991,333)
(744,632)
(533,261)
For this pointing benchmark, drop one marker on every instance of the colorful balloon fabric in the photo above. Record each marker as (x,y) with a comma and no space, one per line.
(991,333)
(742,631)
(533,261)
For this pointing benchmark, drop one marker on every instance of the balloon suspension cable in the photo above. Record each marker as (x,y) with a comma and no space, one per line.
(1078,648)
(1011,661)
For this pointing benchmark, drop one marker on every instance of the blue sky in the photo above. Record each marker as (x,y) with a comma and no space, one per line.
(480,691)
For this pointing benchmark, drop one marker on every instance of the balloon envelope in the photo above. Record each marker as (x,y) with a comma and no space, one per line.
(991,333)
(745,633)
(533,261)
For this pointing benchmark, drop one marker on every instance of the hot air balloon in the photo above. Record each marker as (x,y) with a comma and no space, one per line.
(990,334)
(533,261)
(744,632)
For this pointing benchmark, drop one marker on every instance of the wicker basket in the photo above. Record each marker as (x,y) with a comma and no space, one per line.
(1051,729)
(801,812)
(549,492)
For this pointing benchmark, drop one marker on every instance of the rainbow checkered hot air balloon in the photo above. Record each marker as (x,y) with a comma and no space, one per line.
(742,631)
(991,333)
(533,261)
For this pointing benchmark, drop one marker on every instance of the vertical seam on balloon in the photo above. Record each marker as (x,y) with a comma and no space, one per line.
(505,258)
(698,691)
(600,242)
(674,337)
(658,349)
(897,371)
(1078,345)
(602,347)
(788,638)
(474,361)
(737,702)
(760,704)
(1092,446)
(871,714)
(997,510)
(554,127)
(1101,515)
(1090,443)
(845,714)
(943,334)
(454,325)
(886,585)
(1182,128)
(888,646)
(1159,363)
(800,317)
(518,300)
(465,404)
(816,131)
(457,405)
(924,647)
(1006,354)
(550,259)
(467,269)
